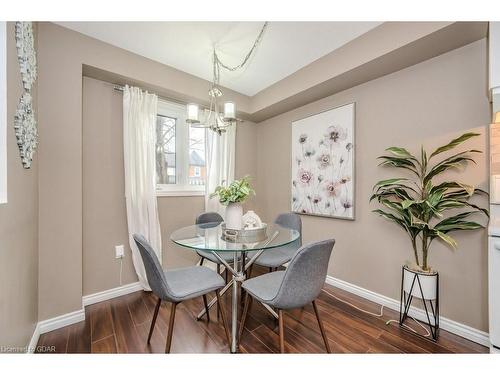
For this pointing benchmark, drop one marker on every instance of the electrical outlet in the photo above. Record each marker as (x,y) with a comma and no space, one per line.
(119,251)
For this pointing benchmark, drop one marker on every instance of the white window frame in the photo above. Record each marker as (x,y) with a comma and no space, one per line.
(3,112)
(181,187)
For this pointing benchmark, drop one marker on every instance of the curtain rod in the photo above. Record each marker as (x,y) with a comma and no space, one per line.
(120,88)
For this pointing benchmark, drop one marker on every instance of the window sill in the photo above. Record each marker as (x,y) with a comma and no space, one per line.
(163,193)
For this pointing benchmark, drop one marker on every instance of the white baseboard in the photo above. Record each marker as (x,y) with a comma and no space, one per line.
(110,293)
(449,325)
(79,315)
(61,321)
(34,340)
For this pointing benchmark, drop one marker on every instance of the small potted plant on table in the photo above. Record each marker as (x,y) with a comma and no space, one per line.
(232,196)
(417,204)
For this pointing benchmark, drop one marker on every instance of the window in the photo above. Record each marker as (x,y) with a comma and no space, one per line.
(3,112)
(180,153)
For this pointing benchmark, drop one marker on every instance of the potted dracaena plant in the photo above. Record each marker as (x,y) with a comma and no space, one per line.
(232,196)
(418,205)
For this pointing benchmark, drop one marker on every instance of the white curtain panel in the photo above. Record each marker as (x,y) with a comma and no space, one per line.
(220,165)
(139,142)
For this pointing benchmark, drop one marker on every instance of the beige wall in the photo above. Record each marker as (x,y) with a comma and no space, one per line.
(104,212)
(62,56)
(18,226)
(427,103)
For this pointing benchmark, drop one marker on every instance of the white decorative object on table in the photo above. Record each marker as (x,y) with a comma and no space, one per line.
(234,215)
(24,119)
(251,220)
(232,196)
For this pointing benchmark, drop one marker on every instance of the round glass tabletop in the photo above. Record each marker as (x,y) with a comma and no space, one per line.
(208,237)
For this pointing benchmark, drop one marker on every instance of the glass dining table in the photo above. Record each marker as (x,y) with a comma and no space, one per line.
(209,237)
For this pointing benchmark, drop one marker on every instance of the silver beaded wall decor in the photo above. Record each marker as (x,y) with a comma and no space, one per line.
(24,119)
(25,128)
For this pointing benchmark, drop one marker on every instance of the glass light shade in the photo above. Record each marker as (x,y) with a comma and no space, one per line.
(229,110)
(192,113)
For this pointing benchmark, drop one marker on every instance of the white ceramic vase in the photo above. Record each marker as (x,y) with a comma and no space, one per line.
(428,281)
(234,215)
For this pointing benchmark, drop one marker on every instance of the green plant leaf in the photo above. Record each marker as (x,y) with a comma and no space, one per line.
(412,232)
(415,221)
(480,209)
(423,157)
(458,225)
(447,239)
(237,191)
(390,181)
(449,163)
(415,204)
(409,202)
(444,186)
(401,152)
(398,163)
(453,143)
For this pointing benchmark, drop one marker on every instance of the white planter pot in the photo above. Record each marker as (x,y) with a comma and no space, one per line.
(234,215)
(428,281)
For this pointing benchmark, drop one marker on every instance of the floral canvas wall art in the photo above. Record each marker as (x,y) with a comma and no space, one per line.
(323,163)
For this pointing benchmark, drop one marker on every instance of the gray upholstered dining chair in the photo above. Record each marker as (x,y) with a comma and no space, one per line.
(296,287)
(209,219)
(177,285)
(277,257)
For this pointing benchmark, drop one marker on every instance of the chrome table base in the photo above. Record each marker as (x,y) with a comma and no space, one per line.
(238,271)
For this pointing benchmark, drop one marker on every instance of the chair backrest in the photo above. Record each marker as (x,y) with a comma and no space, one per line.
(304,276)
(291,220)
(208,218)
(154,271)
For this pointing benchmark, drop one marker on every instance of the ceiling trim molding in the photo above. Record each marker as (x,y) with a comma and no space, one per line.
(427,40)
(383,50)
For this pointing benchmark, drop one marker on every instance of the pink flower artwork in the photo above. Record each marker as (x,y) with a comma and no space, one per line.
(323,148)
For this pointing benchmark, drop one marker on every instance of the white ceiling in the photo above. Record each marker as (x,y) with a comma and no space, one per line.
(285,48)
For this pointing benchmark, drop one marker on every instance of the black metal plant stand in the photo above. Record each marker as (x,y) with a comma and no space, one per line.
(431,309)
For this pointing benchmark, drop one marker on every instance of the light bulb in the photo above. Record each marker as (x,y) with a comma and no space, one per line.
(229,110)
(192,113)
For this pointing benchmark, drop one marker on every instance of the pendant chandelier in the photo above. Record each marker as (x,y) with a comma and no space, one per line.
(214,119)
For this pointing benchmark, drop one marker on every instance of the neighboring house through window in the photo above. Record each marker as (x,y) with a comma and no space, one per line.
(180,153)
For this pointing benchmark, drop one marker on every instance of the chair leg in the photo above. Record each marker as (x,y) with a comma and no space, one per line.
(270,269)
(206,307)
(249,275)
(223,316)
(282,331)
(320,323)
(218,310)
(201,261)
(248,302)
(170,327)
(153,322)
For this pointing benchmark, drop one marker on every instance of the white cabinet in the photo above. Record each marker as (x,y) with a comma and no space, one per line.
(494,57)
(494,289)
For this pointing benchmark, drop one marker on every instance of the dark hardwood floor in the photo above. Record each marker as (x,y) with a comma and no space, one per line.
(121,325)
